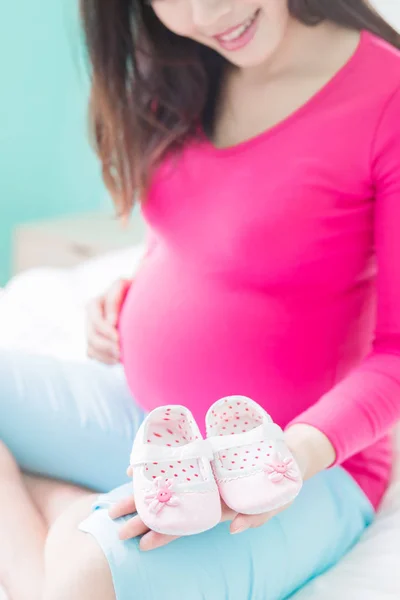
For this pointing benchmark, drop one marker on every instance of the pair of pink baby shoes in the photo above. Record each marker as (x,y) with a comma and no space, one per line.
(179,477)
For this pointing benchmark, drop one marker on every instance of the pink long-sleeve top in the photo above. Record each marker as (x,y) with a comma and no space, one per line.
(276,271)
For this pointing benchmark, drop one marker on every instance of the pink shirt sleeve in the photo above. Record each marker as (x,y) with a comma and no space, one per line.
(365,405)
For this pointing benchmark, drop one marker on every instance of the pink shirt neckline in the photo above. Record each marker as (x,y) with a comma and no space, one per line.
(307,106)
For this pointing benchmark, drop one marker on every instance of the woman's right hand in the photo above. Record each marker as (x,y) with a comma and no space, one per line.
(135,527)
(102,323)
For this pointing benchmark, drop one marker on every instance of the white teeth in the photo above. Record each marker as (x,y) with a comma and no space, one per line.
(236,33)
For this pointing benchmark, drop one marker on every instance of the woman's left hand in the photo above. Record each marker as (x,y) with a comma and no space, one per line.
(151,539)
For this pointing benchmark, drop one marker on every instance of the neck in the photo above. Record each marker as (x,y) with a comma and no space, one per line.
(302,49)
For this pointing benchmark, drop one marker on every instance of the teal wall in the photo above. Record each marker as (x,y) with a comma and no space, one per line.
(46,165)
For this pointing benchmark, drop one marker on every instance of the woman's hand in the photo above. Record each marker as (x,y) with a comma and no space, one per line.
(312,449)
(151,539)
(313,452)
(102,322)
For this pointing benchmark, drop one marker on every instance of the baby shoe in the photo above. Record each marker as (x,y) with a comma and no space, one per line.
(173,483)
(254,468)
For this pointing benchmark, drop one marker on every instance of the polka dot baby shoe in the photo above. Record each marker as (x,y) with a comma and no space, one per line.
(254,468)
(173,483)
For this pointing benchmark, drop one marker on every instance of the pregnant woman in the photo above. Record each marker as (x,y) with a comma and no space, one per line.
(262,138)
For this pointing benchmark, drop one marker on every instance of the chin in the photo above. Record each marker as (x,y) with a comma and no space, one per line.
(247,60)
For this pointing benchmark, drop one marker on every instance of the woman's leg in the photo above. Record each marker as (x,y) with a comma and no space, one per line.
(67,420)
(23,534)
(62,420)
(271,562)
(89,576)
(52,497)
(28,507)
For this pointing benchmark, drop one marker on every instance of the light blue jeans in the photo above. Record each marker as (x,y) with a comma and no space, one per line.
(76,421)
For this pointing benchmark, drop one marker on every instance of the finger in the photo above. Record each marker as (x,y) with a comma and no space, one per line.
(122,508)
(129,471)
(103,357)
(102,327)
(102,345)
(133,528)
(227,513)
(96,319)
(153,540)
(115,299)
(243,522)
(104,360)
(95,305)
(95,309)
(109,332)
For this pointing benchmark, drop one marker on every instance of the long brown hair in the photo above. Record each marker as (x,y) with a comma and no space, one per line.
(150,87)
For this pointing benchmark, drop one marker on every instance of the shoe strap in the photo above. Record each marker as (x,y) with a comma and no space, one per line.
(266,431)
(143,453)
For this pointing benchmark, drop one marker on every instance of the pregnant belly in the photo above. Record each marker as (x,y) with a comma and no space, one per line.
(187,339)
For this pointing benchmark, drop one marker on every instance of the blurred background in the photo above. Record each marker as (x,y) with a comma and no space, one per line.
(54,210)
(47,168)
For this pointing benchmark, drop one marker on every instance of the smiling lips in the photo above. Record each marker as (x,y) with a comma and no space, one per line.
(239,36)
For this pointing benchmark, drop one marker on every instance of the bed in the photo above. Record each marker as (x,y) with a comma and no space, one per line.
(44,311)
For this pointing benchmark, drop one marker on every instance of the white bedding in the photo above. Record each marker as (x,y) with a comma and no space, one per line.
(43,311)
